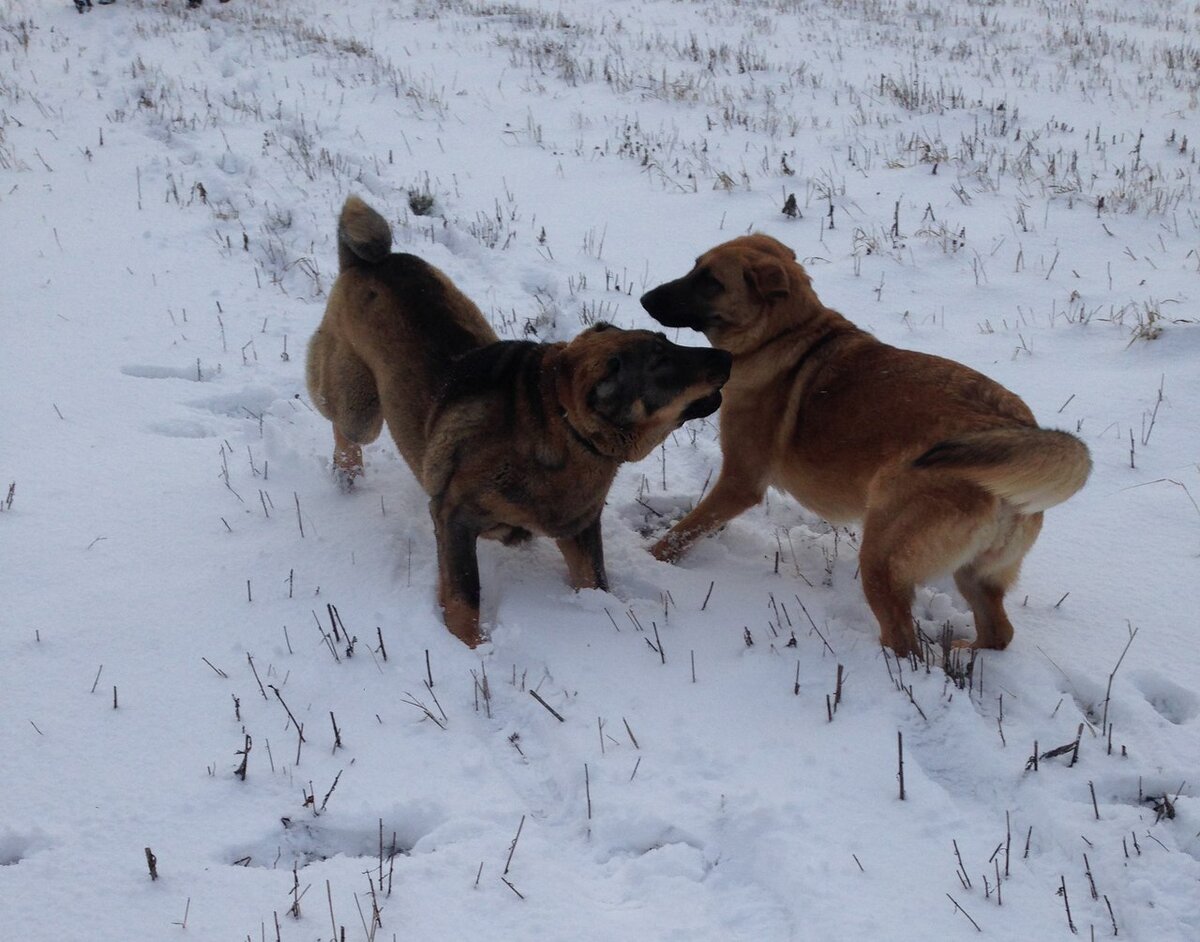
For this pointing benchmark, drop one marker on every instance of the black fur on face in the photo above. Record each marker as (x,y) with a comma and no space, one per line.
(651,373)
(686,301)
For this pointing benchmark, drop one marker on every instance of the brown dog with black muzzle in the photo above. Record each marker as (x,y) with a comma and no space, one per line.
(947,469)
(508,438)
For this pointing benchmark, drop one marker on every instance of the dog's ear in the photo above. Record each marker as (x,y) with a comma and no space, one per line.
(767,278)
(608,397)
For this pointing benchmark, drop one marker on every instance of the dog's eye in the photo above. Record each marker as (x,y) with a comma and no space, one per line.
(613,366)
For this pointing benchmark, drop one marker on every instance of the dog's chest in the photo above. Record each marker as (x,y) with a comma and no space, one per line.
(554,501)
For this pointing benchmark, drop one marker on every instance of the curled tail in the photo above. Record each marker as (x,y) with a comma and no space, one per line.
(1032,468)
(364,237)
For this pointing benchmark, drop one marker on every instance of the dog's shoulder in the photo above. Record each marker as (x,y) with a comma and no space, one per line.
(510,366)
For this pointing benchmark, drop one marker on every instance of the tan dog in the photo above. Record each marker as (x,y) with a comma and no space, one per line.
(507,438)
(947,469)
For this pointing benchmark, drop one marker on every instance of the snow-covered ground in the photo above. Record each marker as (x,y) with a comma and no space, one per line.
(1009,183)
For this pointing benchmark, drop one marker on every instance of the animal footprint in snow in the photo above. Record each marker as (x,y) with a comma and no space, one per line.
(1172,702)
(144,371)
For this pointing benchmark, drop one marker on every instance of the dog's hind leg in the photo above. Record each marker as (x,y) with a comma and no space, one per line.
(347,456)
(985,579)
(584,553)
(918,527)
(344,391)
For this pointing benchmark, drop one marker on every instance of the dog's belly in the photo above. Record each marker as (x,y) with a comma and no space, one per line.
(836,498)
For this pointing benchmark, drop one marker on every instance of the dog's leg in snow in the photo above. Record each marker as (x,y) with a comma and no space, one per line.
(985,579)
(584,553)
(917,527)
(347,456)
(458,575)
(735,492)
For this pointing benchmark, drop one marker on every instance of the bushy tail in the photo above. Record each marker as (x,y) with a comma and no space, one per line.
(364,237)
(1031,468)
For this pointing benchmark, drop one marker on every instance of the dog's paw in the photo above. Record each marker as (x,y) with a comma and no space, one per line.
(665,550)
(344,479)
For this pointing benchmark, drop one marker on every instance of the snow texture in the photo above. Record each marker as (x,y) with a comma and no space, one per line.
(1011,184)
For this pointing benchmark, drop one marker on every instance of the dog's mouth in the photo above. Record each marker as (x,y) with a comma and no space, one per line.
(701,408)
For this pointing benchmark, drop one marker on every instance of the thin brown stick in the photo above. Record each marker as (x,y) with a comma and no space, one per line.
(244,752)
(250,658)
(511,887)
(336,779)
(511,847)
(553,712)
(966,878)
(299,728)
(1108,691)
(964,912)
(1062,891)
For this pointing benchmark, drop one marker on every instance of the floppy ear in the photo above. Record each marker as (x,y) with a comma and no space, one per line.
(607,396)
(767,278)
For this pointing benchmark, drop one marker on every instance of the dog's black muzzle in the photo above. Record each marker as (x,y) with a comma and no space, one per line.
(714,367)
(674,304)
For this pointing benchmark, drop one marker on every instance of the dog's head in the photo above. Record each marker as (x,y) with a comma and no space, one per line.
(738,294)
(624,391)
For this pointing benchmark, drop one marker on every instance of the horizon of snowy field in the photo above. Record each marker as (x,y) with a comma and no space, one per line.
(1010,184)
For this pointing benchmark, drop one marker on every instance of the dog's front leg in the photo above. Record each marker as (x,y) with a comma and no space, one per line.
(584,553)
(458,575)
(735,492)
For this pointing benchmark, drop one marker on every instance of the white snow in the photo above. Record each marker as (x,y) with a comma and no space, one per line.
(169,181)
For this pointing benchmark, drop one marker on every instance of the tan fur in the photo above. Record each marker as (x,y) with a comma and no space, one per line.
(509,439)
(947,469)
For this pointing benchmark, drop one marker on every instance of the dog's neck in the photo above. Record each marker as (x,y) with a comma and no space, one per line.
(792,346)
(584,442)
